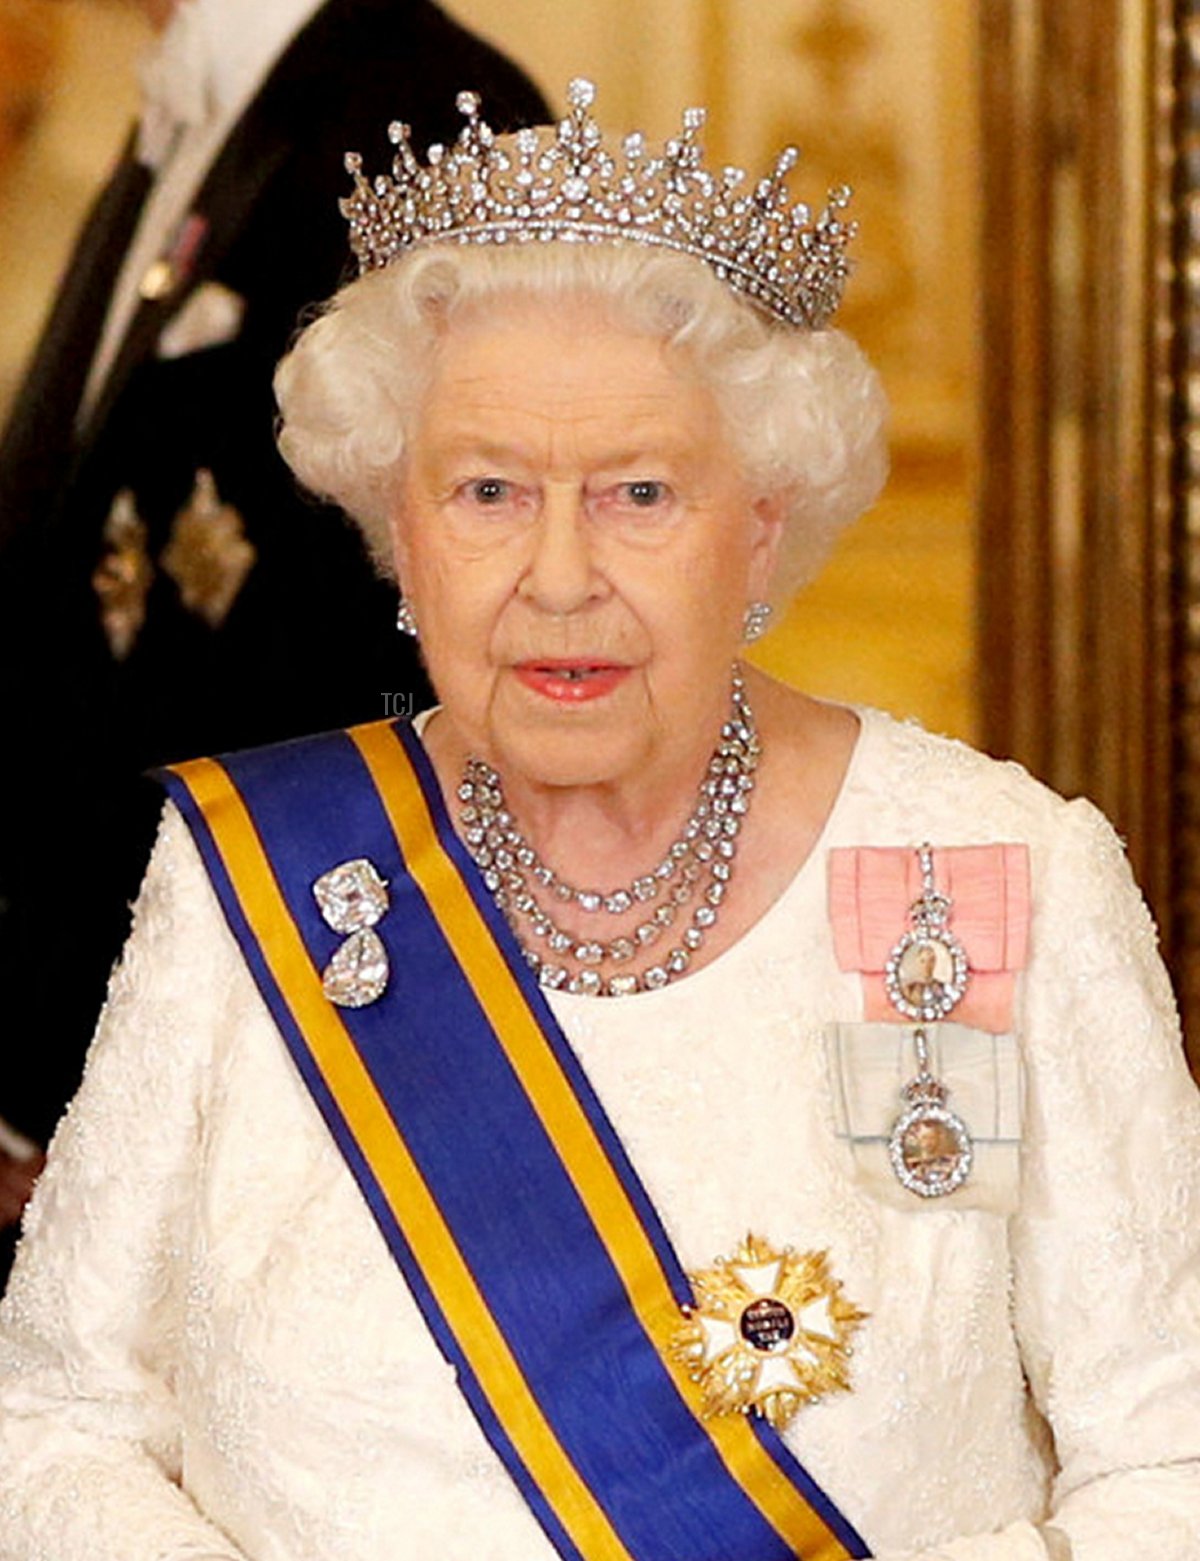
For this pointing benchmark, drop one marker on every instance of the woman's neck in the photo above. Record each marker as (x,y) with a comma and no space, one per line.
(601,834)
(595,839)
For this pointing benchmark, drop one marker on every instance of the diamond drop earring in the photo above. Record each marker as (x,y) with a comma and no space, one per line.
(754,625)
(405,621)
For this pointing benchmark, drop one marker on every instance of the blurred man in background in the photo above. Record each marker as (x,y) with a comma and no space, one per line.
(164,590)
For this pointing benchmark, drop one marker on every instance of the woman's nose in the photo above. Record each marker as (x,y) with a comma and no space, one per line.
(561,577)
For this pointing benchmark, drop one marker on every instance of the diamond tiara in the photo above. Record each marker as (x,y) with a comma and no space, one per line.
(562,184)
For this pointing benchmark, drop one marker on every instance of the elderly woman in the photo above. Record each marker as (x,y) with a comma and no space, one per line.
(639,1112)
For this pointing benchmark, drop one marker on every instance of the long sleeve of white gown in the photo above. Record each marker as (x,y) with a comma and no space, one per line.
(89,1437)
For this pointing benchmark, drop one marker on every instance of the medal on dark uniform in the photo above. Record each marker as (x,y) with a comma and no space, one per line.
(208,555)
(122,578)
(174,267)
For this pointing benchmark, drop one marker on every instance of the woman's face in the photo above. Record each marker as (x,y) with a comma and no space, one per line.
(578,545)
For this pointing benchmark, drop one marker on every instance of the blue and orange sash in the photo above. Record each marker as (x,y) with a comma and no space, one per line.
(507,1201)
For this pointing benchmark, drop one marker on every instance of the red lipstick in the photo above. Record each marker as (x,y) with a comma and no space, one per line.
(571,680)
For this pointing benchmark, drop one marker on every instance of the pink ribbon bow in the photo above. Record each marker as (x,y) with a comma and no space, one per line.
(871,891)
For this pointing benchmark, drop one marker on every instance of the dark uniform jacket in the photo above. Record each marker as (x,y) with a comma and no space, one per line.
(309,641)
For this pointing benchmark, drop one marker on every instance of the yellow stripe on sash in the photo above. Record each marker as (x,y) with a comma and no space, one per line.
(403,1186)
(751,1465)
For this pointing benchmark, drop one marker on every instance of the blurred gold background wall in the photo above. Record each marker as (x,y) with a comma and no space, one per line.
(877,94)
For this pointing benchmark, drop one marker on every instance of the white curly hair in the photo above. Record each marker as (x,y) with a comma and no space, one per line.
(804,410)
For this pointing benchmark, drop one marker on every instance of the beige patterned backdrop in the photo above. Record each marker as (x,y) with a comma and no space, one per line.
(877,94)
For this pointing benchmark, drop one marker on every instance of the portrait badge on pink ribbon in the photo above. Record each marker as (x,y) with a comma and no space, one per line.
(973,948)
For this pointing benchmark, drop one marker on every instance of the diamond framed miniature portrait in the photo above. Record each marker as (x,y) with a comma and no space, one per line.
(926,973)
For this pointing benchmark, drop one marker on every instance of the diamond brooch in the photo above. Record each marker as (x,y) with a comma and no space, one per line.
(352,898)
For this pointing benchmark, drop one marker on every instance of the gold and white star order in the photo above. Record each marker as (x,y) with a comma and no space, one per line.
(769,1333)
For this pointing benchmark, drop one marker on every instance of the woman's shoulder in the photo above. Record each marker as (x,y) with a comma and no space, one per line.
(943,783)
(177,925)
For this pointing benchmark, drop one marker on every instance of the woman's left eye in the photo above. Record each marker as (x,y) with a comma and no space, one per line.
(643,493)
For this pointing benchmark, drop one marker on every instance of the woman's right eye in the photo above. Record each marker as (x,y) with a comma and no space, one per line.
(489,491)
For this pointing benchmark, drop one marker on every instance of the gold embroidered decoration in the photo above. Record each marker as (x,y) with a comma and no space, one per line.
(208,555)
(770,1332)
(174,267)
(122,578)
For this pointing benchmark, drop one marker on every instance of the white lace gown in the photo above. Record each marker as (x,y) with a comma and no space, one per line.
(206,1350)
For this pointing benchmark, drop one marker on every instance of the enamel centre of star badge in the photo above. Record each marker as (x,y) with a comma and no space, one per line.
(770,1332)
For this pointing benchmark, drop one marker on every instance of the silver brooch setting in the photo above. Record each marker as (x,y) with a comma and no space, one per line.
(927,972)
(925,977)
(352,898)
(929,1147)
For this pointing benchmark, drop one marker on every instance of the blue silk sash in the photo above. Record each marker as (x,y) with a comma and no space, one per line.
(530,1246)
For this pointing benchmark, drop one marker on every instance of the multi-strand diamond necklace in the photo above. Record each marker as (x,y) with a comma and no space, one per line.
(696,871)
